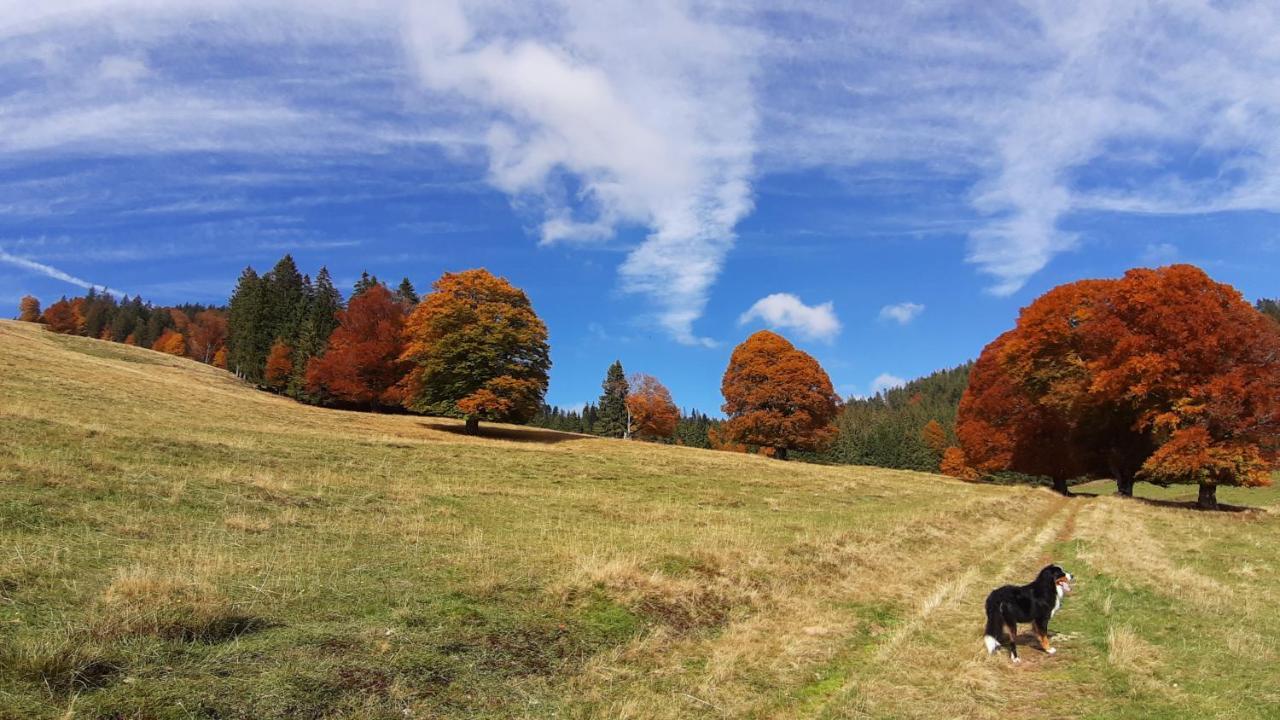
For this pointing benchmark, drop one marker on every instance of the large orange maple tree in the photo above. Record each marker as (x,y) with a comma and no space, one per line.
(361,364)
(476,349)
(777,396)
(1162,375)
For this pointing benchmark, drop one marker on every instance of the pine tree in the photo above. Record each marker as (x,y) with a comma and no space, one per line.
(323,302)
(612,414)
(406,295)
(365,282)
(286,297)
(246,327)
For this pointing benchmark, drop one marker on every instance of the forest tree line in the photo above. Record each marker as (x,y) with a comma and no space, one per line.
(1191,372)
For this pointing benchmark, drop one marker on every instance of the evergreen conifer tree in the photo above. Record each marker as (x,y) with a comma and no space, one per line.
(406,294)
(246,327)
(612,411)
(365,282)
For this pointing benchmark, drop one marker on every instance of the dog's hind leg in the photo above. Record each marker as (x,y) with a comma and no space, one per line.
(1012,629)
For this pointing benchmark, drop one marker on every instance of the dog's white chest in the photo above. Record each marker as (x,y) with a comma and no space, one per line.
(1057,601)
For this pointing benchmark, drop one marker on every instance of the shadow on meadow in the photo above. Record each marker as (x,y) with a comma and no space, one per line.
(527,435)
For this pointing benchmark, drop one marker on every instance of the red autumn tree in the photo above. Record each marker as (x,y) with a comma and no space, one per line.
(477,349)
(279,365)
(171,342)
(777,396)
(954,464)
(63,317)
(206,335)
(652,413)
(29,309)
(1162,375)
(361,363)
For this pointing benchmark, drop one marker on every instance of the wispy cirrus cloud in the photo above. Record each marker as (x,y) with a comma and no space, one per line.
(784,311)
(649,124)
(607,116)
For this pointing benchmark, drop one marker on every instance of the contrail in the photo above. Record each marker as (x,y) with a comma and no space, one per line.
(55,273)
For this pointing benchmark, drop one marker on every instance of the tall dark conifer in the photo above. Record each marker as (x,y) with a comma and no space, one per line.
(365,282)
(611,413)
(246,327)
(406,295)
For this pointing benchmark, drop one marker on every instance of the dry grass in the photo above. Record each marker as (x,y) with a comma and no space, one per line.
(173,543)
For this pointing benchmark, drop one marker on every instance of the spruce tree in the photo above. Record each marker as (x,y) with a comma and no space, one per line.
(286,299)
(406,295)
(611,411)
(246,327)
(365,282)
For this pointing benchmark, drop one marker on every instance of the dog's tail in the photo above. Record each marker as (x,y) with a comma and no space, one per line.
(993,631)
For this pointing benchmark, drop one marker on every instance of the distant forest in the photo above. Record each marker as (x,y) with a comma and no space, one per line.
(283,311)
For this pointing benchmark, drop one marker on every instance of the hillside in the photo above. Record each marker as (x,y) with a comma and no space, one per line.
(174,543)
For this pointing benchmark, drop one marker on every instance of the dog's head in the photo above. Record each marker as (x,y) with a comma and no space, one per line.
(1056,575)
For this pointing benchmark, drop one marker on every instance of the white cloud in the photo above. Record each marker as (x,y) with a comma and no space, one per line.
(787,312)
(1018,98)
(886,381)
(53,272)
(608,116)
(648,110)
(902,313)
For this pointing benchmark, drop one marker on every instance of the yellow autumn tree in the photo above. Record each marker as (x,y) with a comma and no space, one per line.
(476,349)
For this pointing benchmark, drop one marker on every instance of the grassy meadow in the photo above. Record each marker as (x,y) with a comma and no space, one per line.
(175,544)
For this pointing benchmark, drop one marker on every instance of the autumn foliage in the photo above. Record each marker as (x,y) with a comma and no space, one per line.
(653,413)
(64,316)
(476,348)
(1163,375)
(170,342)
(279,365)
(361,363)
(29,309)
(777,397)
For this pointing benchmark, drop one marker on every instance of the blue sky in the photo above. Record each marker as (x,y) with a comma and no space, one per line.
(886,186)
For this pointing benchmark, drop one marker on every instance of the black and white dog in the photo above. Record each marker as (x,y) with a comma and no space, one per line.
(1035,603)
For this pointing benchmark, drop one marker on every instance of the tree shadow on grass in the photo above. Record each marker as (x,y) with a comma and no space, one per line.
(527,435)
(1179,504)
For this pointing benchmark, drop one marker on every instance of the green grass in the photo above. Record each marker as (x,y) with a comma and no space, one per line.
(174,544)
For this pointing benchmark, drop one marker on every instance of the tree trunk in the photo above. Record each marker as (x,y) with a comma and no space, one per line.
(1060,485)
(1208,496)
(1124,486)
(780,453)
(473,426)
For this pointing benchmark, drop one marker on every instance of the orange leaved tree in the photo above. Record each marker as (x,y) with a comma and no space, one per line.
(63,317)
(777,397)
(1162,375)
(361,363)
(220,358)
(279,365)
(206,335)
(651,411)
(29,309)
(476,349)
(170,342)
